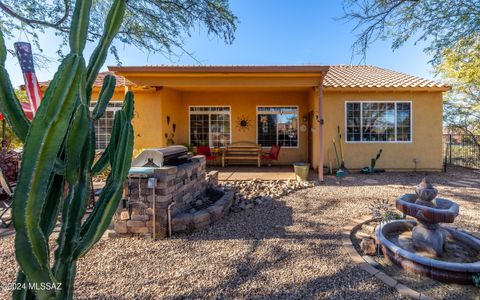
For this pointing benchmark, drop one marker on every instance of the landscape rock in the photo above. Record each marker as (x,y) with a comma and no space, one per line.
(249,193)
(368,246)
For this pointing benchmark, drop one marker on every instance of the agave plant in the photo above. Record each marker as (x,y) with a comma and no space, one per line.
(58,162)
(383,211)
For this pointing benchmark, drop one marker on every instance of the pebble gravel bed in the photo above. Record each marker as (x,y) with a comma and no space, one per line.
(289,247)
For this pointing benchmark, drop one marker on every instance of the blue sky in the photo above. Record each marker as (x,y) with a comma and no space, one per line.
(270,32)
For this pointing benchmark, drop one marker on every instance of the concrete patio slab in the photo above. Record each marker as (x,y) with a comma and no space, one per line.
(232,173)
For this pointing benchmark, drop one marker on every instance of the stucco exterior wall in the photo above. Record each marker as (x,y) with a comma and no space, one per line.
(147,122)
(426,145)
(152,107)
(242,103)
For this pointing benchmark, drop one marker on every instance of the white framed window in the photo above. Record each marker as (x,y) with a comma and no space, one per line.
(378,121)
(210,126)
(277,125)
(103,126)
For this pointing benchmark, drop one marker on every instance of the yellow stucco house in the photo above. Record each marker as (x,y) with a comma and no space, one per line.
(298,107)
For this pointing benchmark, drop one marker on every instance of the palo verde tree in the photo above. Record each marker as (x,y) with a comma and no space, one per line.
(156,26)
(59,152)
(460,67)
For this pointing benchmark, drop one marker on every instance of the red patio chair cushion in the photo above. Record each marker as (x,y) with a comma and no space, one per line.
(205,150)
(274,153)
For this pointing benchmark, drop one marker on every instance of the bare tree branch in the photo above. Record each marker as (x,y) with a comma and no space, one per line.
(32,22)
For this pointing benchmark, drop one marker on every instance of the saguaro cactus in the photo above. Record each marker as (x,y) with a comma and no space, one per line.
(59,152)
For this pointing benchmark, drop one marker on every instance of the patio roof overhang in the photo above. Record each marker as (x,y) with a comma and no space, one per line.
(206,77)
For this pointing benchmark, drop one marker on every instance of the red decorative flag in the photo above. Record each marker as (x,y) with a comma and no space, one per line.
(25,57)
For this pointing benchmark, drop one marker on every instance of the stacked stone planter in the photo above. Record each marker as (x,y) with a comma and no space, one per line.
(197,219)
(187,189)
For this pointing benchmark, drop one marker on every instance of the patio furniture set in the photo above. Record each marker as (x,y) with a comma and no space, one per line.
(240,151)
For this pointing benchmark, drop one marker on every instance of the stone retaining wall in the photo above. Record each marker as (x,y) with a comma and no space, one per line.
(182,187)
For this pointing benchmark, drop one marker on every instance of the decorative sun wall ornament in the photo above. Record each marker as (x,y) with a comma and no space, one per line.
(243,123)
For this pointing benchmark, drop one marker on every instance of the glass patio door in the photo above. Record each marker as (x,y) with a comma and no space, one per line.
(210,126)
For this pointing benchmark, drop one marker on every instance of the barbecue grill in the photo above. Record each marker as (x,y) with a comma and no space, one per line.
(161,157)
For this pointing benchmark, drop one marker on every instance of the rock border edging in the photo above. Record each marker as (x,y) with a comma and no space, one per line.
(369,268)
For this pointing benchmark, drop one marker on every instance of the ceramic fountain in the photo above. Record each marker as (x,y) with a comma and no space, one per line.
(424,246)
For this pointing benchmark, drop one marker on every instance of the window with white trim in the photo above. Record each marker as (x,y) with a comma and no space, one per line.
(277,125)
(210,126)
(378,121)
(103,126)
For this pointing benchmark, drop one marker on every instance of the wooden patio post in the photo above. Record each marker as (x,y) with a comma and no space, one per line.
(320,129)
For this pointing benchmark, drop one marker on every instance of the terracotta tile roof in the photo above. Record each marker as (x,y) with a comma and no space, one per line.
(121,81)
(343,76)
(337,77)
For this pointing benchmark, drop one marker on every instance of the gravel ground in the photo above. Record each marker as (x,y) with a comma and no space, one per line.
(284,248)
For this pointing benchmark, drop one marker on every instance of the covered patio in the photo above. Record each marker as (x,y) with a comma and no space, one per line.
(221,106)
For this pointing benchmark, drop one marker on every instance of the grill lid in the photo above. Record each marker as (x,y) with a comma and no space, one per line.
(155,158)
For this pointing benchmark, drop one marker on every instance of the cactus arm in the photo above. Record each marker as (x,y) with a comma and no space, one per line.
(110,193)
(100,218)
(101,163)
(70,282)
(122,116)
(118,122)
(42,146)
(9,104)
(3,49)
(62,268)
(48,223)
(77,135)
(128,104)
(79,26)
(112,26)
(79,191)
(52,205)
(11,107)
(105,96)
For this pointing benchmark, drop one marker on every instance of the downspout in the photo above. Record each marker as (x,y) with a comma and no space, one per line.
(320,129)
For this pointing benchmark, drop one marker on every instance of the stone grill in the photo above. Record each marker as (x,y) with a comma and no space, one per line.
(187,189)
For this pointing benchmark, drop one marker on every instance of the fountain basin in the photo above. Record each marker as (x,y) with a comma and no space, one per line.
(445,211)
(398,251)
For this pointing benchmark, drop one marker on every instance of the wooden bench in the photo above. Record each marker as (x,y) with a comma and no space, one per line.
(242,151)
